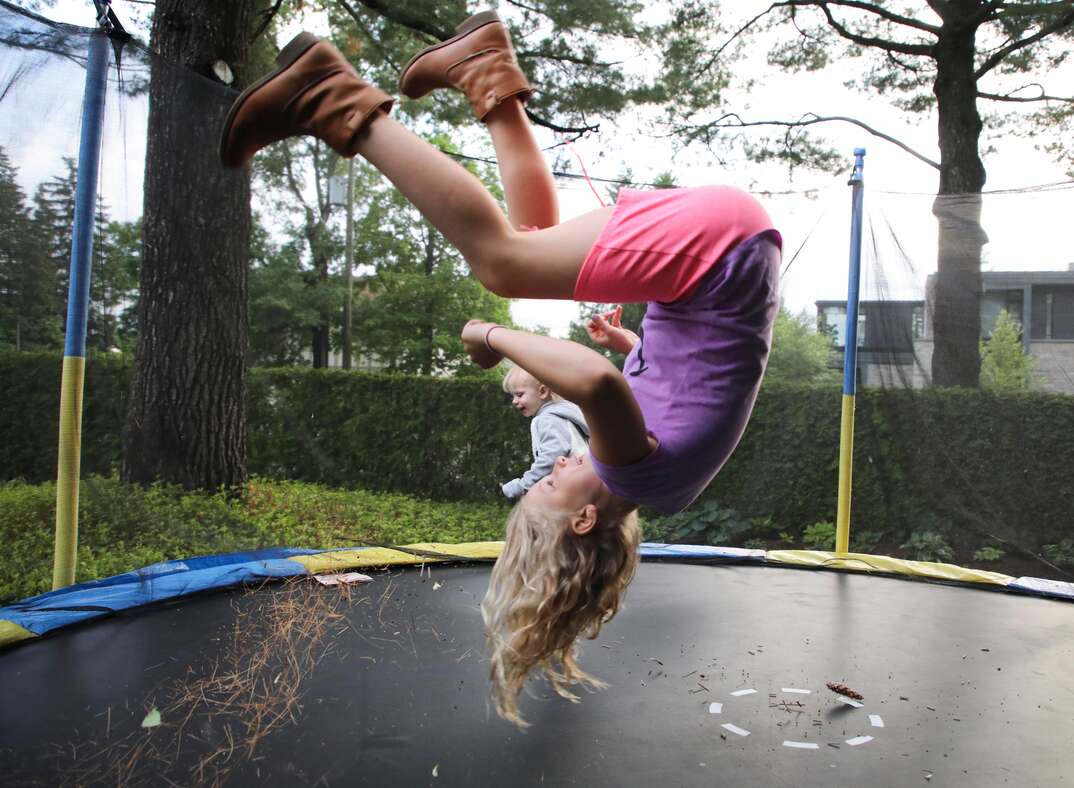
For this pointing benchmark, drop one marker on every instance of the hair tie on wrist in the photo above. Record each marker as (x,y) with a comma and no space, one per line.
(490,330)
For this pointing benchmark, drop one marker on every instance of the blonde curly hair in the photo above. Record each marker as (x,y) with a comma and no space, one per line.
(549,587)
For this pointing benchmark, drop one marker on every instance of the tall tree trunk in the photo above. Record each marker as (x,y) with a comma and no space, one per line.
(186,421)
(957,288)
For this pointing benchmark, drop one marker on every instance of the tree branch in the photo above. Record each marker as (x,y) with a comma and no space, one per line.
(417,23)
(577,131)
(529,54)
(735,35)
(736,122)
(360,23)
(865,41)
(997,57)
(1011,97)
(269,16)
(869,8)
(292,181)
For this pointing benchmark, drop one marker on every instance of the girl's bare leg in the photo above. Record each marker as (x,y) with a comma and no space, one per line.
(510,263)
(527,181)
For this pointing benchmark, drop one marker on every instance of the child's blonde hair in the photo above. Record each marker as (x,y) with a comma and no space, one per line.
(516,371)
(549,587)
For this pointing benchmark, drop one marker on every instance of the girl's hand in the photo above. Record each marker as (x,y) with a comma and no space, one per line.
(606,331)
(473,342)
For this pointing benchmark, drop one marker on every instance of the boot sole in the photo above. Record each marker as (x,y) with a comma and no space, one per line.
(463,30)
(295,49)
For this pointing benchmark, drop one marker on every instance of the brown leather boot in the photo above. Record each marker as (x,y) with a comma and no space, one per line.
(478,60)
(314,91)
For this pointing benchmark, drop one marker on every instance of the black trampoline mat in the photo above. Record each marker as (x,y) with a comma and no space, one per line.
(971,688)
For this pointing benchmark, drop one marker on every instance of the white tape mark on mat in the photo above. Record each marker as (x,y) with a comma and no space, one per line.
(346,578)
(735,729)
(797,691)
(740,693)
(859,740)
(853,703)
(715,708)
(875,721)
(801,745)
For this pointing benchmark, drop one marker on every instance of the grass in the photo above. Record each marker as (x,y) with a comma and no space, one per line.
(123,527)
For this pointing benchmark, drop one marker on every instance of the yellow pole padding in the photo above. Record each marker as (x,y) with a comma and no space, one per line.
(67,474)
(846,463)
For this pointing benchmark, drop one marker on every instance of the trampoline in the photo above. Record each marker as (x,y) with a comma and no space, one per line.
(717,667)
(266,668)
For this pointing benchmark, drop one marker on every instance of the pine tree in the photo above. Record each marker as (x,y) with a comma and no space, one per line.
(29,309)
(1005,365)
(53,221)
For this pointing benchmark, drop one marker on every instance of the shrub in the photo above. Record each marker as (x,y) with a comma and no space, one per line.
(927,546)
(865,541)
(706,522)
(1061,554)
(988,554)
(819,536)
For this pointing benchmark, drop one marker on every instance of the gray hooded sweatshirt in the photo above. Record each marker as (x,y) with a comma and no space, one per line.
(558,429)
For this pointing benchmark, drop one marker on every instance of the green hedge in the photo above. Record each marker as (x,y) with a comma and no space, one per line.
(967,463)
(30,414)
(448,439)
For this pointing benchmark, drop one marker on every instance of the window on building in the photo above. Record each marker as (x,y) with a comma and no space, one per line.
(995,301)
(917,322)
(834,320)
(1060,312)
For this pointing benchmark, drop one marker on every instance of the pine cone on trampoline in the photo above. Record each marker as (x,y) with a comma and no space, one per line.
(843,689)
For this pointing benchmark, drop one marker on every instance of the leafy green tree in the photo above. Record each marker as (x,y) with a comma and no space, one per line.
(117,252)
(295,176)
(29,305)
(800,353)
(562,46)
(945,60)
(284,304)
(409,312)
(1005,365)
(117,278)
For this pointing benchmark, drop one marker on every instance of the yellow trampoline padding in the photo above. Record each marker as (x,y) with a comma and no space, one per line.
(10,632)
(338,560)
(863,562)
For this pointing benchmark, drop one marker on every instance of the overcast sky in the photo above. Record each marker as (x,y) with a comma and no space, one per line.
(813,211)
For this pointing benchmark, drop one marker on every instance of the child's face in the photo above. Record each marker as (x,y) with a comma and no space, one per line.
(571,485)
(527,395)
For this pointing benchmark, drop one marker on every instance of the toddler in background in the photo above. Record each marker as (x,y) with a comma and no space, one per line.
(557,429)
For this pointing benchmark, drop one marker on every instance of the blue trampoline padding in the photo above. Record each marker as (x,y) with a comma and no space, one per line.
(171,579)
(158,582)
(699,552)
(1037,585)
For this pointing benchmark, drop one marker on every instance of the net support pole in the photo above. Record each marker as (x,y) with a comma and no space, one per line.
(850,358)
(74,352)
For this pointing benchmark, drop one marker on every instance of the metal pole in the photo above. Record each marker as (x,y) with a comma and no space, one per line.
(74,353)
(850,358)
(348,298)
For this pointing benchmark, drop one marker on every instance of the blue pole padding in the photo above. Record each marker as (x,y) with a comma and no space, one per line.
(89,162)
(850,355)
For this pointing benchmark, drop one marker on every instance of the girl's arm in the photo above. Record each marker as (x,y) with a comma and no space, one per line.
(577,373)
